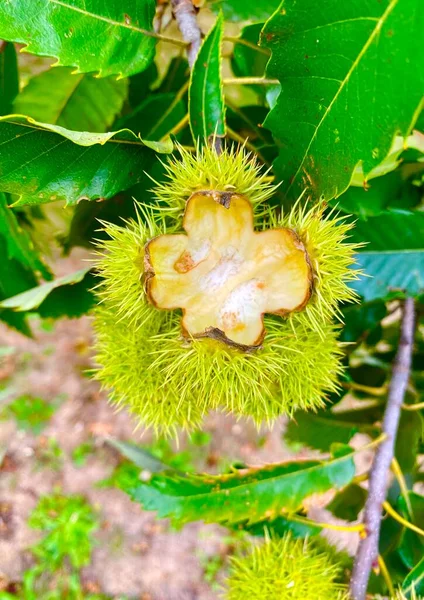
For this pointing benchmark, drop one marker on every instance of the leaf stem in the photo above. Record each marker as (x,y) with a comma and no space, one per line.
(249,81)
(397,472)
(418,406)
(391,511)
(333,526)
(386,576)
(242,42)
(368,547)
(169,40)
(358,387)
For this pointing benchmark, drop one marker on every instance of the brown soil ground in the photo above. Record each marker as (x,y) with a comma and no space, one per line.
(136,555)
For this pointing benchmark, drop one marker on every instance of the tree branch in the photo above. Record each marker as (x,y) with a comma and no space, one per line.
(367,554)
(185,15)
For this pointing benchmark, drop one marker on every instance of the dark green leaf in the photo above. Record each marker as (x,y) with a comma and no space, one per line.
(360,320)
(322,429)
(414,581)
(348,503)
(250,495)
(155,117)
(390,191)
(247,120)
(410,433)
(31,299)
(9,78)
(245,10)
(361,55)
(14,278)
(140,457)
(84,227)
(247,60)
(140,84)
(394,255)
(18,242)
(86,165)
(176,77)
(110,38)
(74,101)
(392,230)
(281,525)
(20,264)
(206,103)
(411,547)
(68,295)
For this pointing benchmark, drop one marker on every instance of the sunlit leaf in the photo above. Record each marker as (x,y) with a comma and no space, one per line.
(206,104)
(86,165)
(110,38)
(344,68)
(74,101)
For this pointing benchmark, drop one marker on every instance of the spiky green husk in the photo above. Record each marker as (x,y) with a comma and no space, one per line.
(168,381)
(231,171)
(325,237)
(285,569)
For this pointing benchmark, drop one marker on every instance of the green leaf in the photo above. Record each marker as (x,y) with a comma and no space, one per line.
(176,77)
(9,78)
(140,84)
(110,38)
(383,193)
(74,101)
(247,120)
(20,264)
(360,320)
(84,226)
(14,278)
(250,60)
(281,525)
(69,295)
(140,457)
(343,68)
(411,547)
(86,165)
(392,160)
(394,255)
(251,495)
(348,503)
(410,433)
(245,10)
(32,299)
(414,581)
(206,103)
(19,245)
(400,271)
(321,430)
(392,230)
(155,117)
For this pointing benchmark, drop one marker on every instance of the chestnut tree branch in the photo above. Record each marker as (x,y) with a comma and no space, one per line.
(186,17)
(367,555)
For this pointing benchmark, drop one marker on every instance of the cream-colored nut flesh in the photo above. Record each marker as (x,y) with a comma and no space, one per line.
(225,275)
